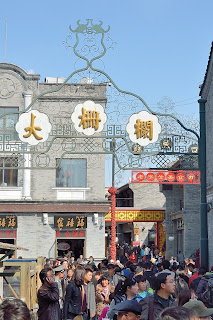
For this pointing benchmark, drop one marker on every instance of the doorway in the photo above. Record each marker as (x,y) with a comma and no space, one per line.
(76,246)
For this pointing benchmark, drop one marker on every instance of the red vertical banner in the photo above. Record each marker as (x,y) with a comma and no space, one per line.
(113,192)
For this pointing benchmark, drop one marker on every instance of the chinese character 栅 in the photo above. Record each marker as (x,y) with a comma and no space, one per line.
(32,129)
(89,119)
(144,129)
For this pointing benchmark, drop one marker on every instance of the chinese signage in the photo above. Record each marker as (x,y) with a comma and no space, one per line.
(70,222)
(33,127)
(89,118)
(143,128)
(10,234)
(8,222)
(71,234)
(136,215)
(166,177)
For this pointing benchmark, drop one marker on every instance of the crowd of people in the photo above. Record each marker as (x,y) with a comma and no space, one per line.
(137,288)
(140,284)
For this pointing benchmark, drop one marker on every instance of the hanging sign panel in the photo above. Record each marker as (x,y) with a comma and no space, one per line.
(165,177)
(70,222)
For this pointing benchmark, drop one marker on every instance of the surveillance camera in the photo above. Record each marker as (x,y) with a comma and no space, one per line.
(109,84)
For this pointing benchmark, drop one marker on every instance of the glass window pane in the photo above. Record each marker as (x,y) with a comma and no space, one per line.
(79,173)
(63,174)
(11,119)
(1,120)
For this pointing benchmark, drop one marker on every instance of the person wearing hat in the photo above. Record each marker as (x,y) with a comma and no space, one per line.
(129,309)
(198,306)
(59,275)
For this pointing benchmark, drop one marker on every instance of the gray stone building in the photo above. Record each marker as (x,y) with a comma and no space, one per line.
(206,92)
(55,181)
(139,196)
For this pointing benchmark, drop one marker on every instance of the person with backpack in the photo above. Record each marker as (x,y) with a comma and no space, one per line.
(152,306)
(204,290)
(125,290)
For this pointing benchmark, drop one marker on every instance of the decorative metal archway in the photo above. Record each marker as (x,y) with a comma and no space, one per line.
(90,43)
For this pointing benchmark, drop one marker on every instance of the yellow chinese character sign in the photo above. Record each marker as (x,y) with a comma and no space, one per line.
(143,128)
(89,118)
(33,127)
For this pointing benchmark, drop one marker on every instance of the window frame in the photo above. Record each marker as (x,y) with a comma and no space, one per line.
(70,173)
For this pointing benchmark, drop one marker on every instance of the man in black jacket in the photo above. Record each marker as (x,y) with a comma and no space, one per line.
(152,306)
(48,296)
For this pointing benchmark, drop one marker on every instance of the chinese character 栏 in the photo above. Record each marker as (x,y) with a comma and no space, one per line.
(32,129)
(89,119)
(144,129)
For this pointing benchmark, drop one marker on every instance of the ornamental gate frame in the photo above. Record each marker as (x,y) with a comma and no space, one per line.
(87,50)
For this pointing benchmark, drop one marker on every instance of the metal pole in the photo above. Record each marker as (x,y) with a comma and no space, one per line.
(203,204)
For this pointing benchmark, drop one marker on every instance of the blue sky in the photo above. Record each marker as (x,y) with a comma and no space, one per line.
(162,45)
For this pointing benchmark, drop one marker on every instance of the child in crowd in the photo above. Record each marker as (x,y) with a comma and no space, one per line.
(143,287)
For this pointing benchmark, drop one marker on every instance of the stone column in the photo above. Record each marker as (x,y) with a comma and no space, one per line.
(26,191)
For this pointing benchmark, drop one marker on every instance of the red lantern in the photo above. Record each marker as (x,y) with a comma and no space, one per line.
(150,176)
(140,176)
(160,176)
(180,177)
(170,177)
(191,177)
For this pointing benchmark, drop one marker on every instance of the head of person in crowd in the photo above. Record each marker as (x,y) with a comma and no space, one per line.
(165,265)
(164,285)
(198,306)
(105,280)
(186,296)
(88,275)
(191,267)
(70,273)
(47,276)
(111,269)
(59,272)
(55,263)
(129,288)
(72,259)
(104,263)
(147,266)
(97,275)
(132,268)
(142,284)
(48,262)
(14,309)
(91,259)
(129,309)
(179,313)
(65,264)
(174,267)
(72,266)
(79,276)
(47,266)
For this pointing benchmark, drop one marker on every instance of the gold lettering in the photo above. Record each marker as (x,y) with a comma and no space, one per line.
(32,129)
(60,222)
(144,129)
(70,223)
(89,119)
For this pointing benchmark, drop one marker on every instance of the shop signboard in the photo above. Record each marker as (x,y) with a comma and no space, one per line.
(67,222)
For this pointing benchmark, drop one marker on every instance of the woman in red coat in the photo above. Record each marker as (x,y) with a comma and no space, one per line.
(132,257)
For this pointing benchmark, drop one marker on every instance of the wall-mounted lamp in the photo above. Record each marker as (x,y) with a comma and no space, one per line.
(45,218)
(95,218)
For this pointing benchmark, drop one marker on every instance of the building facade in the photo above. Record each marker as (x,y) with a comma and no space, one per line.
(206,92)
(57,193)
